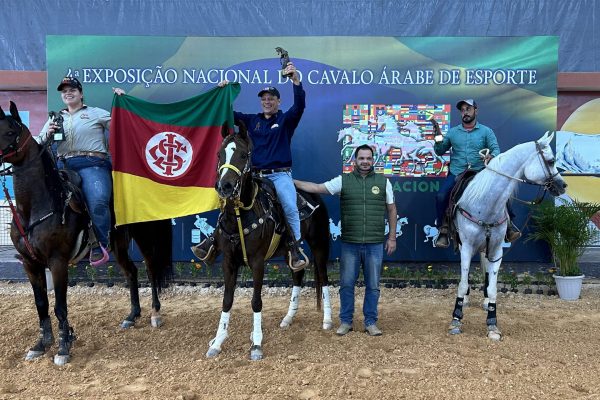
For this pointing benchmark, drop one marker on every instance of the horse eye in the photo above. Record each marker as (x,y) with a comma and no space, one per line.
(218,156)
(551,162)
(244,156)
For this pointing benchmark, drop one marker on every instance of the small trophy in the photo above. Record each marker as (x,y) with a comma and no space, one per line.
(59,132)
(284,60)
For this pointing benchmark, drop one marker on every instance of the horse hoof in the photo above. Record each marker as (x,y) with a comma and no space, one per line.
(61,360)
(455,327)
(156,322)
(485,303)
(126,324)
(212,352)
(286,322)
(494,333)
(256,353)
(32,354)
(327,325)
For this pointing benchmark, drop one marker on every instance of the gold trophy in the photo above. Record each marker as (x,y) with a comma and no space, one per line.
(284,59)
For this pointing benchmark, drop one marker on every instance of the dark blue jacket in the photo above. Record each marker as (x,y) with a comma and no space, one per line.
(272,137)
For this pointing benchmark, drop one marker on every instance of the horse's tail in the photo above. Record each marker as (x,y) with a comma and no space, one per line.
(318,240)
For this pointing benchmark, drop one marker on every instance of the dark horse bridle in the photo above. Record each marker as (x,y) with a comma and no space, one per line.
(10,150)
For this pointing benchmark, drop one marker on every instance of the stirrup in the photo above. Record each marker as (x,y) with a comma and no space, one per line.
(302,260)
(445,243)
(512,233)
(203,254)
(101,261)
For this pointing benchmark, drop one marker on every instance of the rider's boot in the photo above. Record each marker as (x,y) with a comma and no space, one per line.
(512,232)
(442,239)
(206,251)
(298,260)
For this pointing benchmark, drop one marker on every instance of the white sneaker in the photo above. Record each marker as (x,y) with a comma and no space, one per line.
(373,330)
(344,329)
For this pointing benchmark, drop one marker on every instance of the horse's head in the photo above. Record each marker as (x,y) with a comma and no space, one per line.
(541,169)
(234,163)
(13,134)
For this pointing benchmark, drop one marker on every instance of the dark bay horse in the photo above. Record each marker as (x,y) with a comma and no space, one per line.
(49,230)
(248,233)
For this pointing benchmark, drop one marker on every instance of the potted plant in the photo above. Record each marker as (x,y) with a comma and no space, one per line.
(72,274)
(567,230)
(539,279)
(92,272)
(110,273)
(526,279)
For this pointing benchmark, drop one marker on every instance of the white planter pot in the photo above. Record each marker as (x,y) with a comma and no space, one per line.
(569,287)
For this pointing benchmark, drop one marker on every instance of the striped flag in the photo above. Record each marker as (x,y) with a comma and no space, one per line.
(165,155)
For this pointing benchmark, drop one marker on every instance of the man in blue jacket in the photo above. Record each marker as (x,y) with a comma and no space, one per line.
(271,132)
(466,141)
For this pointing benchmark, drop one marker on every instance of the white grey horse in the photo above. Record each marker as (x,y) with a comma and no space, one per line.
(481,217)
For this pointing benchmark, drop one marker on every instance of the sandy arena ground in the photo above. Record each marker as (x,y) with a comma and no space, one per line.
(550,349)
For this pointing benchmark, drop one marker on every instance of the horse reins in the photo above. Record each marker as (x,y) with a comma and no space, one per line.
(237,202)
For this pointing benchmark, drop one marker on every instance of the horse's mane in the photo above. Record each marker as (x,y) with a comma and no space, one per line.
(484,181)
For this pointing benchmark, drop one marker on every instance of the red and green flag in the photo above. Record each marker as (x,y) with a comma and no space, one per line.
(164,155)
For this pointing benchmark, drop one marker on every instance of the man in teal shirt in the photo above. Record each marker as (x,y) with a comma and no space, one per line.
(466,141)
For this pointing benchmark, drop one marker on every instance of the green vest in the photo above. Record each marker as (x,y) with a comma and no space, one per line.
(363,208)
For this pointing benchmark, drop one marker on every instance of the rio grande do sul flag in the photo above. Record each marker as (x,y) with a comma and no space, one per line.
(165,155)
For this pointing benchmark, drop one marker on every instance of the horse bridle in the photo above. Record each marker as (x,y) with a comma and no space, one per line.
(238,187)
(13,148)
(237,202)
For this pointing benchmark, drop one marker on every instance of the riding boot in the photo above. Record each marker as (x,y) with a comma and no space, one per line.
(442,240)
(512,232)
(206,251)
(298,260)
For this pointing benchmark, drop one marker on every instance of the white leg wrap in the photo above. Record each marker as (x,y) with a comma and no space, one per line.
(221,332)
(292,309)
(327,321)
(256,335)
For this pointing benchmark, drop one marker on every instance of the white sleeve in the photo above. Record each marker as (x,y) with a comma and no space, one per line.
(43,133)
(389,192)
(334,186)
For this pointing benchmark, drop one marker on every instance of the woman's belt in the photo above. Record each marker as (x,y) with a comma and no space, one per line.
(97,154)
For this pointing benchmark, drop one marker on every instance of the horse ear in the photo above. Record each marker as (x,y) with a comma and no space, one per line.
(225,130)
(2,115)
(243,131)
(14,112)
(550,137)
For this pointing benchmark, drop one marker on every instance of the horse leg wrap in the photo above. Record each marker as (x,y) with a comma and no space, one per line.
(458,312)
(292,309)
(66,337)
(491,315)
(45,339)
(326,305)
(221,331)
(257,335)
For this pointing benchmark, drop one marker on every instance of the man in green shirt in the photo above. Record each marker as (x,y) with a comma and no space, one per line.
(365,197)
(466,141)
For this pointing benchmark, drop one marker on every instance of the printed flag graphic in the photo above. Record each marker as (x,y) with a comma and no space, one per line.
(165,155)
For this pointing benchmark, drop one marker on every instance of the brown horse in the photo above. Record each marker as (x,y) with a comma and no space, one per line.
(49,230)
(252,228)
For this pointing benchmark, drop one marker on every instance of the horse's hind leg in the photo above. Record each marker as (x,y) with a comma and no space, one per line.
(46,338)
(120,244)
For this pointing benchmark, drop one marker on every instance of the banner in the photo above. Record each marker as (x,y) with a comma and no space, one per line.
(164,155)
(376,90)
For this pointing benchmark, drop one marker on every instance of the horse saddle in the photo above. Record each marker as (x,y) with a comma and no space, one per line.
(307,204)
(462,181)
(72,183)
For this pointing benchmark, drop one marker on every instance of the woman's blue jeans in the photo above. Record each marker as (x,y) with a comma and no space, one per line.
(353,255)
(96,185)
